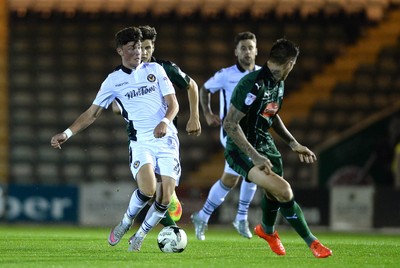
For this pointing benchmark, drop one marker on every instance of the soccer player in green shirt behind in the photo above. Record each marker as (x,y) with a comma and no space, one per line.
(178,78)
(251,151)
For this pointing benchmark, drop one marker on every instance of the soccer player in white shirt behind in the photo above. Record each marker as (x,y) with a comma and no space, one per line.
(225,81)
(147,98)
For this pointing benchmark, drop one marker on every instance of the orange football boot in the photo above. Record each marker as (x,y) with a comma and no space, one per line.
(319,250)
(273,240)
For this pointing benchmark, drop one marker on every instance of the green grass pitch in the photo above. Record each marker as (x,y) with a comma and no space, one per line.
(73,246)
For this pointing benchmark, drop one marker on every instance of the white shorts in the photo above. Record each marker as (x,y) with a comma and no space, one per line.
(162,154)
(229,170)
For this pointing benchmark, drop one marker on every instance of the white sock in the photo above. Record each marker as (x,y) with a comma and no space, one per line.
(126,219)
(136,204)
(154,215)
(247,191)
(216,196)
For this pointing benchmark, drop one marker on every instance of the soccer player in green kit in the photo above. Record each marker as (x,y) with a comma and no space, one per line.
(251,151)
(178,78)
(224,81)
(182,81)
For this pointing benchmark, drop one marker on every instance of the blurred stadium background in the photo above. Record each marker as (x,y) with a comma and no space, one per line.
(342,97)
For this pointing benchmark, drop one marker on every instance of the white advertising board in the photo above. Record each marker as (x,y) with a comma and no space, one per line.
(351,207)
(104,204)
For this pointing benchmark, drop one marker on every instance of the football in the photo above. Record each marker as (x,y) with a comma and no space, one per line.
(172,239)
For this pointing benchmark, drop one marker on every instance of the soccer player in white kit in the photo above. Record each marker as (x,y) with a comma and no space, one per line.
(225,81)
(148,102)
(181,81)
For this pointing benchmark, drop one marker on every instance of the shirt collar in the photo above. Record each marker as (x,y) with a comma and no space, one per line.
(241,69)
(126,69)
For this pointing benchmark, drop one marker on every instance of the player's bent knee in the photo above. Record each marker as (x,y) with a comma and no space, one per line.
(149,192)
(285,195)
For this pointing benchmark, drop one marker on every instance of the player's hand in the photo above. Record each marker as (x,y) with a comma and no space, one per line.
(160,130)
(193,127)
(263,163)
(58,139)
(213,120)
(305,154)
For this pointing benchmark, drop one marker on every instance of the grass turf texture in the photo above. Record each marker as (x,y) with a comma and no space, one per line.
(54,246)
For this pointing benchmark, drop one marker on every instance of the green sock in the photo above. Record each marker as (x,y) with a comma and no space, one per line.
(294,215)
(269,214)
(167,220)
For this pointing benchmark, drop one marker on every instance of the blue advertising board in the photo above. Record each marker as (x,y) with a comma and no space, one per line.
(42,203)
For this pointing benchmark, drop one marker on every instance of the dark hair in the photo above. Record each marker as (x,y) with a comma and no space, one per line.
(244,36)
(127,35)
(283,50)
(148,32)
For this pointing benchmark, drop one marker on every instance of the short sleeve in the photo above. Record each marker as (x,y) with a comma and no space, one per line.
(242,98)
(216,82)
(179,78)
(105,95)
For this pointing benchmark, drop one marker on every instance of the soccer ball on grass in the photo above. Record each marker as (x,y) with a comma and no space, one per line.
(172,239)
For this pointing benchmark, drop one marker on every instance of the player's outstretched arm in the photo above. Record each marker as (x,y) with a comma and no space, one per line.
(82,122)
(279,127)
(305,154)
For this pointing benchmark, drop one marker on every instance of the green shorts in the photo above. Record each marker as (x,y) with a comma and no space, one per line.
(242,164)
